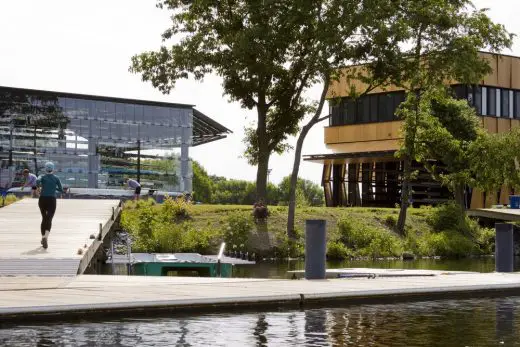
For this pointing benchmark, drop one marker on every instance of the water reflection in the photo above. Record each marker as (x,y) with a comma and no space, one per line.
(483,322)
(260,331)
(505,320)
(272,269)
(315,328)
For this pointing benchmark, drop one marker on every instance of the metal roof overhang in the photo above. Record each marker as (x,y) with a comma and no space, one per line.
(343,158)
(206,129)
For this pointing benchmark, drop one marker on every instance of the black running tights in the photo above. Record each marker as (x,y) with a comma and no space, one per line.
(47,205)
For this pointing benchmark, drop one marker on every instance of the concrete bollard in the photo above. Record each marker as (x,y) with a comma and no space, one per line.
(315,249)
(504,247)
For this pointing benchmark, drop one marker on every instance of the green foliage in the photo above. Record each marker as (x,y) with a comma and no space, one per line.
(289,248)
(432,41)
(368,240)
(175,208)
(352,232)
(166,228)
(447,243)
(449,216)
(237,229)
(494,160)
(445,135)
(267,53)
(337,250)
(391,220)
(308,193)
(202,184)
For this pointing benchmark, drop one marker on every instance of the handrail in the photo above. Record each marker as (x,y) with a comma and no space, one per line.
(220,253)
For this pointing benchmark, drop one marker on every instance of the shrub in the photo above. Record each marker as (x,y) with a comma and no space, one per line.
(448,243)
(367,239)
(486,240)
(201,241)
(236,229)
(176,209)
(391,220)
(287,248)
(449,216)
(337,251)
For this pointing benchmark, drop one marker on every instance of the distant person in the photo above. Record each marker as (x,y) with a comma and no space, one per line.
(30,181)
(133,184)
(49,184)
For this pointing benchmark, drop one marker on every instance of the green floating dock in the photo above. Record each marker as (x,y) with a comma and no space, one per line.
(179,264)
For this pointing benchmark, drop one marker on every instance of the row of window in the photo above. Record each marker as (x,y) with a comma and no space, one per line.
(488,101)
(366,109)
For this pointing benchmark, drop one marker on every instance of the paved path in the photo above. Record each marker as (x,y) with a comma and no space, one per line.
(75,220)
(28,297)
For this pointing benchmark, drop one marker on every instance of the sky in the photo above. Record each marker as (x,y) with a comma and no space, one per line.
(85,47)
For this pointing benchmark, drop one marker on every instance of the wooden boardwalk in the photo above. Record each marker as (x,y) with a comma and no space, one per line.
(75,220)
(29,298)
(505,214)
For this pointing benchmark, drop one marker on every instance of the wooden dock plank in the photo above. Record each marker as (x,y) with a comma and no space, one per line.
(505,214)
(93,292)
(75,220)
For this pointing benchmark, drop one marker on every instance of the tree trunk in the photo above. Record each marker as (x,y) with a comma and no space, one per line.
(458,193)
(405,196)
(263,153)
(294,180)
(410,138)
(297,159)
(261,178)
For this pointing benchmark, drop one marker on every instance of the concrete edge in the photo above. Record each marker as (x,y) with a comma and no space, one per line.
(100,311)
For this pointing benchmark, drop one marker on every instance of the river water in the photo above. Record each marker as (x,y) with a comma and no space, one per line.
(482,322)
(278,269)
(478,322)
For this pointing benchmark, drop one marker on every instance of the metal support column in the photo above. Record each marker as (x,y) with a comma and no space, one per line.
(139,161)
(93,163)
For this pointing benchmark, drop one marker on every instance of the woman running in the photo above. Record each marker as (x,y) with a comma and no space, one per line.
(49,184)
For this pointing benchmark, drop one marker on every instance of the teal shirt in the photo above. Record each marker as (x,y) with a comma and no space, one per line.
(50,184)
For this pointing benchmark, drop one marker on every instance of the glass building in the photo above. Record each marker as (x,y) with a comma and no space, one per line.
(97,141)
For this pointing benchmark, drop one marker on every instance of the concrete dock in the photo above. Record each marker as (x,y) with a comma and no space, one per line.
(31,298)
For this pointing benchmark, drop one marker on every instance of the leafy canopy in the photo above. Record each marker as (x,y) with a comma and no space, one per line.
(267,52)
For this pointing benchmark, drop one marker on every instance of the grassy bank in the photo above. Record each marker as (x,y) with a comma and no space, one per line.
(176,226)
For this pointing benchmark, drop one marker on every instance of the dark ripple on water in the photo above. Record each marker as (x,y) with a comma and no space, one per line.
(482,322)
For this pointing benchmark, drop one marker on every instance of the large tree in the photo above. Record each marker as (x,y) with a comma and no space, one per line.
(437,41)
(268,53)
(494,161)
(446,131)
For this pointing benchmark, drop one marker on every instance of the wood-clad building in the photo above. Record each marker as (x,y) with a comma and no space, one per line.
(363,135)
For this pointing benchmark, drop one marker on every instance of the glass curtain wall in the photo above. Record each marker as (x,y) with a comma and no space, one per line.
(94,143)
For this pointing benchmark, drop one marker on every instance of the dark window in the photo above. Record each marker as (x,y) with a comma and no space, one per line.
(491,102)
(477,99)
(504,105)
(364,109)
(460,91)
(399,98)
(373,108)
(517,104)
(351,111)
(386,107)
